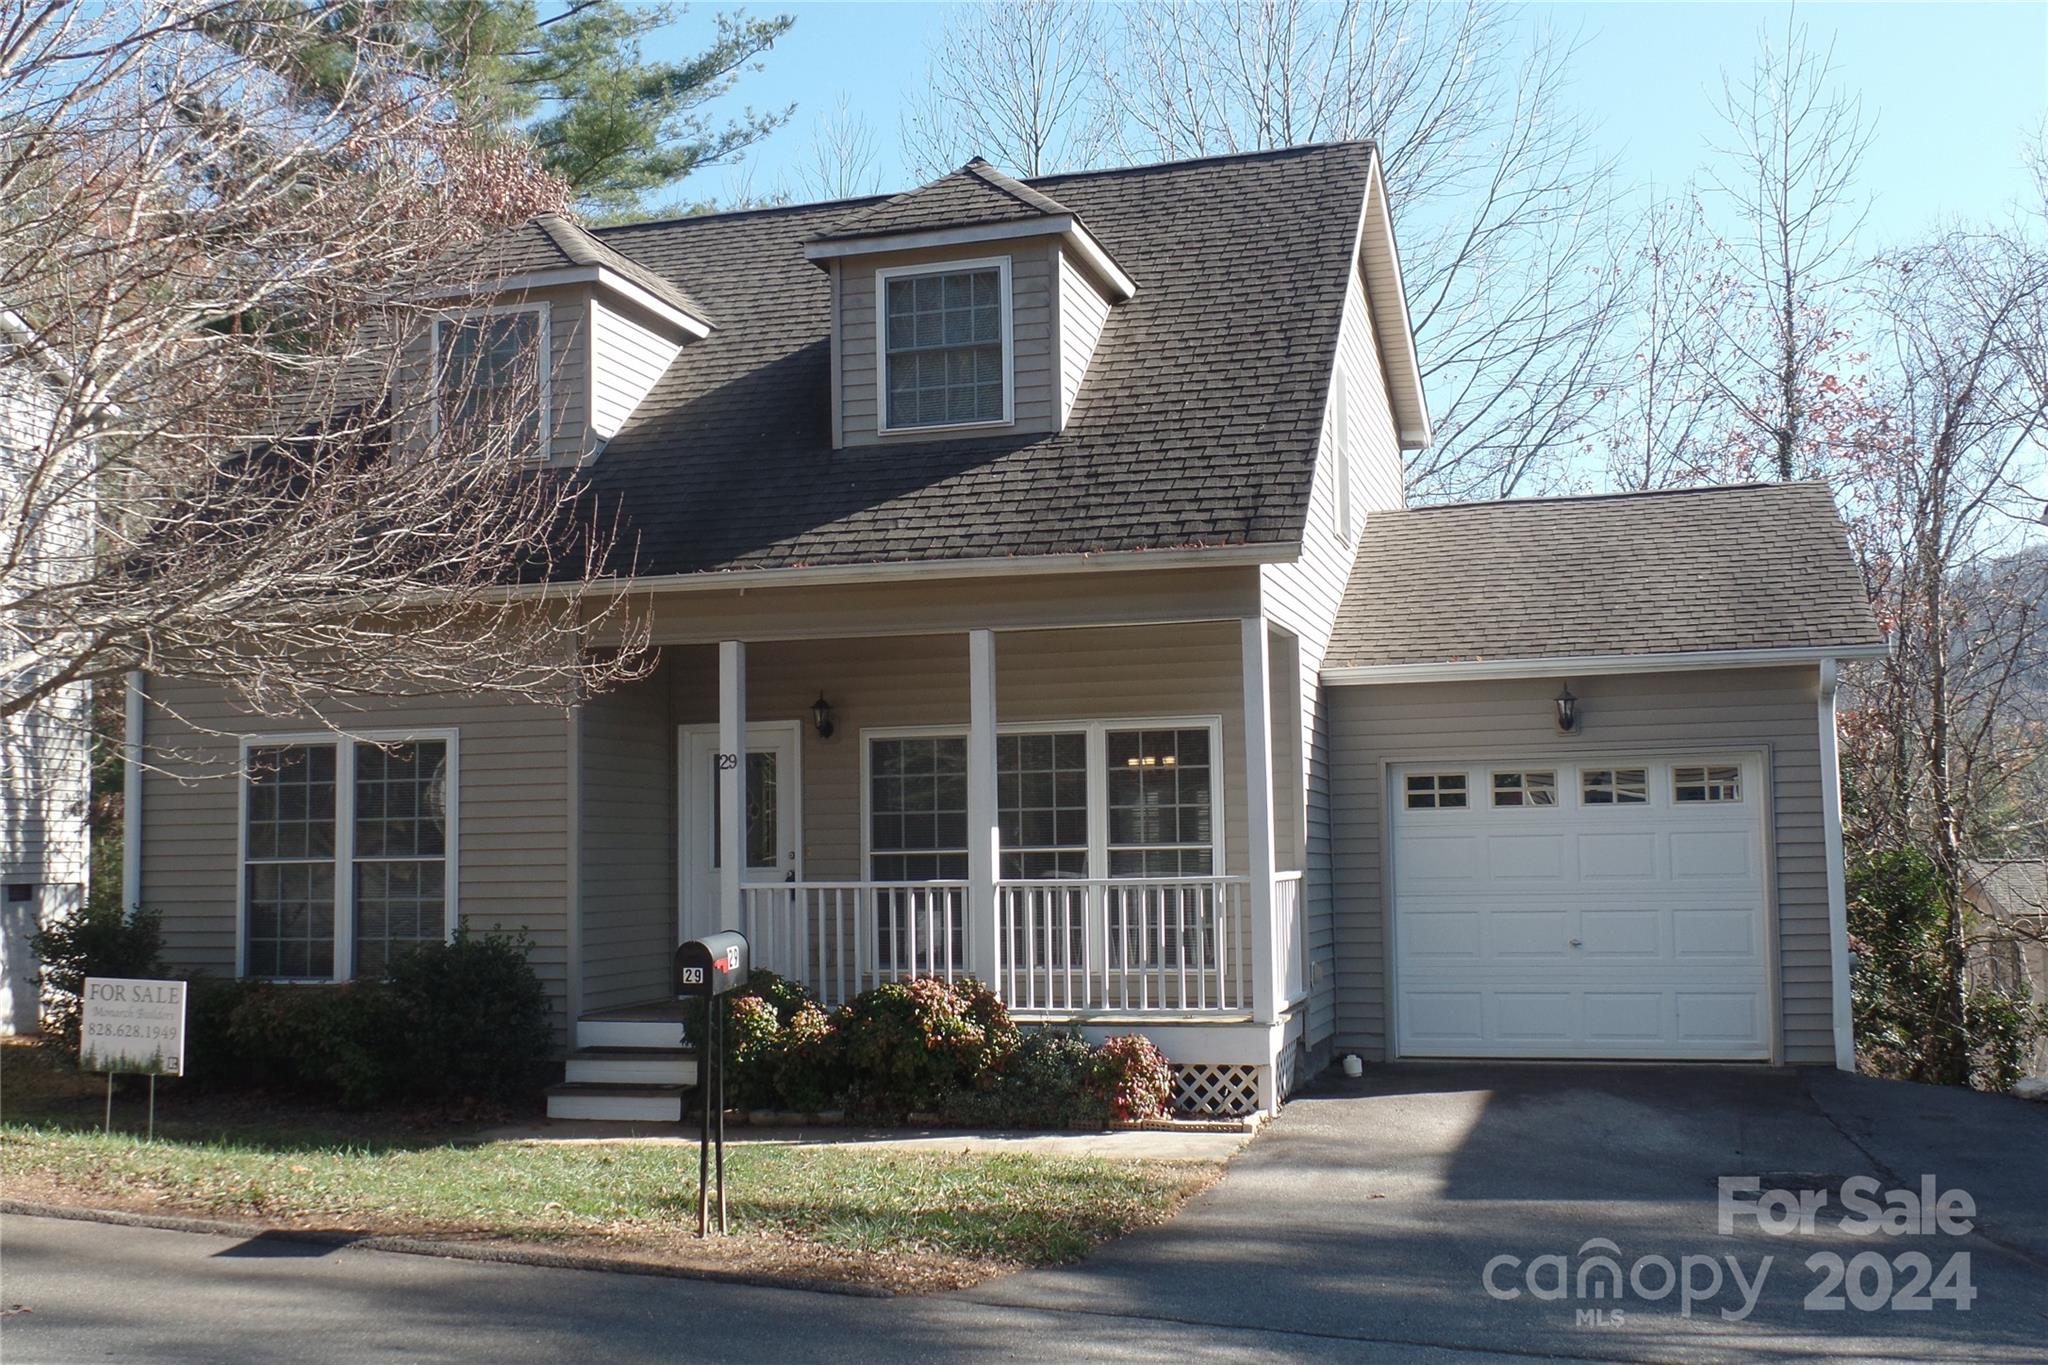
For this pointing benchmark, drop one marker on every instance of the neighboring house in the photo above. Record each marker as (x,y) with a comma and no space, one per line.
(2009,941)
(45,773)
(1005,529)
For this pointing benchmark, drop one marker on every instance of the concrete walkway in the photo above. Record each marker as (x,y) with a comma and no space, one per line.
(1126,1144)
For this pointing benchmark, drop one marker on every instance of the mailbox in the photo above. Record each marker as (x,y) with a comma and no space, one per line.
(715,964)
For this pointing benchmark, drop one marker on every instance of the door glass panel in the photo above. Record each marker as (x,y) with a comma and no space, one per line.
(763,839)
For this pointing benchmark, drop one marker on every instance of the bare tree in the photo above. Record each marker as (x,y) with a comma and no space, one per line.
(844,157)
(289,482)
(1012,81)
(1947,513)
(1664,422)
(1787,168)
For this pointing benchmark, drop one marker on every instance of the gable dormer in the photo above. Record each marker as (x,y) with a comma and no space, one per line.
(970,306)
(549,307)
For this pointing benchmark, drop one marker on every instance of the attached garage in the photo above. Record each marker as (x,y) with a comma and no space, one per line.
(1583,784)
(1565,906)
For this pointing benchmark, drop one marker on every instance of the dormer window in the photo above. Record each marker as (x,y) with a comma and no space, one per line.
(946,361)
(493,374)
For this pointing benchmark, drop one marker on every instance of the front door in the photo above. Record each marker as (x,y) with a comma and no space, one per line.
(773,801)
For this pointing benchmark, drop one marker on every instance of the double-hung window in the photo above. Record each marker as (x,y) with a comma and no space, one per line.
(917,832)
(348,854)
(491,380)
(945,345)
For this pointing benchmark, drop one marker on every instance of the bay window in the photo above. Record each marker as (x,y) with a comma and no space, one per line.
(347,853)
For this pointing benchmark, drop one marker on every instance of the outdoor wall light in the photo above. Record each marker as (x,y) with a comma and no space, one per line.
(1567,711)
(821,716)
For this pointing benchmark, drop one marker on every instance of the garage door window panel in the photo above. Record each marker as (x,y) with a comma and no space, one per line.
(1614,786)
(1525,788)
(1436,791)
(1710,784)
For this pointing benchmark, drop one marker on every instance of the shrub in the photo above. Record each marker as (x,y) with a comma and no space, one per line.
(461,1022)
(101,939)
(1897,918)
(755,1016)
(1046,1082)
(908,1045)
(1133,1079)
(807,1076)
(470,1019)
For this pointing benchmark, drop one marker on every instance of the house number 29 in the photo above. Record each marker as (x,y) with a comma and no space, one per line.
(727,762)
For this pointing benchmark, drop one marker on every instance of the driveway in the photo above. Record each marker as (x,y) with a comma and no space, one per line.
(1360,1223)
(1372,1209)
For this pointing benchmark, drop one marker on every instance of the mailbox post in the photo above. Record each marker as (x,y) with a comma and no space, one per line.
(708,969)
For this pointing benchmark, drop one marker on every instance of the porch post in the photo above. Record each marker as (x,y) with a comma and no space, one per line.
(984,840)
(1258,784)
(732,780)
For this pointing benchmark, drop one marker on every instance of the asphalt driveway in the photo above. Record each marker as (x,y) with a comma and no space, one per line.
(1372,1208)
(1360,1224)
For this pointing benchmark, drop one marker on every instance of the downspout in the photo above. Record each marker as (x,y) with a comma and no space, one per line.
(1838,897)
(131,793)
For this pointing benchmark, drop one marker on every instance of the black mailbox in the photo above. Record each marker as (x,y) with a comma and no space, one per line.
(715,964)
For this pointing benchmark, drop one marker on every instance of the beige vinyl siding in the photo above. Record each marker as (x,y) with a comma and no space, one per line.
(1034,369)
(627,849)
(934,604)
(1775,708)
(629,354)
(513,856)
(1302,598)
(1083,311)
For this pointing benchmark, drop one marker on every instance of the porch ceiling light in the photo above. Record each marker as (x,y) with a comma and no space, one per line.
(1567,711)
(821,716)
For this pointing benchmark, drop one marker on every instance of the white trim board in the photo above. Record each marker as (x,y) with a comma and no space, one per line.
(1063,226)
(1593,665)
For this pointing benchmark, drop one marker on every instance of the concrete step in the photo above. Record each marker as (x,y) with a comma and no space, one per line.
(643,1033)
(624,1103)
(631,1066)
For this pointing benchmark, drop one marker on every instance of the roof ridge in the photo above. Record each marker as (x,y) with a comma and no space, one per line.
(996,179)
(1754,485)
(1146,167)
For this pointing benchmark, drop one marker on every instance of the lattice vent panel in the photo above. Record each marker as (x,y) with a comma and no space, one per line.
(1215,1090)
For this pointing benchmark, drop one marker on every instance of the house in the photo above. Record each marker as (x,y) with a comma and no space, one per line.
(1028,564)
(45,842)
(2009,936)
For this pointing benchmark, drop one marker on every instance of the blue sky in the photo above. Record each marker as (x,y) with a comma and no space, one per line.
(1954,88)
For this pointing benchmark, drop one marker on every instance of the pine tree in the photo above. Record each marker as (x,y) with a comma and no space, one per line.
(569,77)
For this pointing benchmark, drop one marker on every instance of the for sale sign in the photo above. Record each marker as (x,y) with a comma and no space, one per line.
(133,1026)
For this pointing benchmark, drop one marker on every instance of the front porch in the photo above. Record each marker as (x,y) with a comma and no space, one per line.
(1086,819)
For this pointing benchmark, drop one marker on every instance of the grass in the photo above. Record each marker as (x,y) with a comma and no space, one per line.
(905,1220)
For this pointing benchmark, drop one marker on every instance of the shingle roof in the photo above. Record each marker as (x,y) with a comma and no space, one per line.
(974,195)
(1192,427)
(1760,566)
(2011,890)
(551,242)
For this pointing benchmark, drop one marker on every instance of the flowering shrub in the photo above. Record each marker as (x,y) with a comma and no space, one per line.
(808,1076)
(1133,1078)
(907,1045)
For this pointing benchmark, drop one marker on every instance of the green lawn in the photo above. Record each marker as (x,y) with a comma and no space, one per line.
(906,1219)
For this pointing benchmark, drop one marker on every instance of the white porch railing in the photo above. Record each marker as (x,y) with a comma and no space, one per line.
(1125,945)
(1172,944)
(841,938)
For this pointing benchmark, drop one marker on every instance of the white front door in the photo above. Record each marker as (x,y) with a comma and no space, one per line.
(774,798)
(1611,907)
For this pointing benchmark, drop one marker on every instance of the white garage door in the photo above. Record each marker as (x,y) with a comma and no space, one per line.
(1580,909)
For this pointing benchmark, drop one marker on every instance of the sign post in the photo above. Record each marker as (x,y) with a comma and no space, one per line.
(136,1027)
(709,969)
